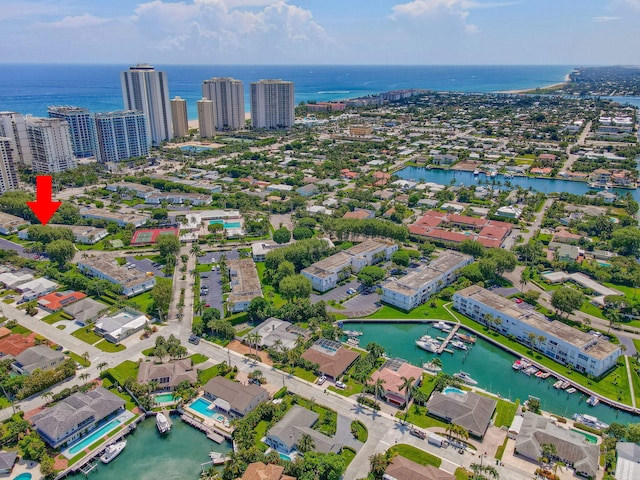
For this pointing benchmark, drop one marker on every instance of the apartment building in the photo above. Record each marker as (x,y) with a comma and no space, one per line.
(132,281)
(50,143)
(272,104)
(82,128)
(245,284)
(227,95)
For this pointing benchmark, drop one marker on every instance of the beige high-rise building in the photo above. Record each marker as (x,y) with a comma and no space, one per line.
(206,118)
(228,100)
(14,126)
(8,164)
(272,104)
(50,142)
(179,117)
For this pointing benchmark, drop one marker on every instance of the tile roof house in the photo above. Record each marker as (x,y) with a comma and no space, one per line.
(298,421)
(402,468)
(392,372)
(85,311)
(15,343)
(571,448)
(469,410)
(260,471)
(168,375)
(234,397)
(38,357)
(57,300)
(74,416)
(332,358)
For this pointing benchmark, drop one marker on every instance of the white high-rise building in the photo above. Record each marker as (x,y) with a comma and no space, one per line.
(272,104)
(14,126)
(8,161)
(81,126)
(146,90)
(50,143)
(206,118)
(179,117)
(121,135)
(228,99)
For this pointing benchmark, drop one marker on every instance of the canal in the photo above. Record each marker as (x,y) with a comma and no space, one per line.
(544,185)
(488,364)
(151,456)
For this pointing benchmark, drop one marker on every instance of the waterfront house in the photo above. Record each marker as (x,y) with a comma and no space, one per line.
(232,397)
(121,325)
(469,410)
(419,285)
(132,281)
(167,375)
(76,415)
(38,357)
(402,468)
(392,372)
(298,421)
(326,273)
(261,471)
(274,330)
(586,353)
(331,357)
(572,449)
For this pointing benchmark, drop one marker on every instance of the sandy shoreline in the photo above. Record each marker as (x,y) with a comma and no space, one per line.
(567,79)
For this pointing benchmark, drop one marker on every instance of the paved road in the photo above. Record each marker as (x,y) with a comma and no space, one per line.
(537,221)
(572,158)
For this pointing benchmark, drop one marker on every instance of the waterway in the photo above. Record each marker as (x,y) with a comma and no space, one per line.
(489,365)
(544,185)
(151,456)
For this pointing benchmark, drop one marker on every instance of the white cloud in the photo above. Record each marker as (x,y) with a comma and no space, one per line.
(436,8)
(605,19)
(78,21)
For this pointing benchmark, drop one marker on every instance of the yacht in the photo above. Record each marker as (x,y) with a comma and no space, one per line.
(428,345)
(517,365)
(458,344)
(352,333)
(430,367)
(353,341)
(530,370)
(445,327)
(162,422)
(558,384)
(571,390)
(465,377)
(593,401)
(113,451)
(590,421)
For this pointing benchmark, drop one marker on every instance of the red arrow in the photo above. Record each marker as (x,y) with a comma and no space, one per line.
(44,207)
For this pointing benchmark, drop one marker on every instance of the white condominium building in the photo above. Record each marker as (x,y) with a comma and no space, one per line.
(82,129)
(147,90)
(14,126)
(50,144)
(227,95)
(326,273)
(272,104)
(567,345)
(206,118)
(179,117)
(418,286)
(121,135)
(8,163)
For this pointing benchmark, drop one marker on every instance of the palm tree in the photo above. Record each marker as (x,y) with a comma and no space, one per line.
(84,377)
(306,443)
(378,387)
(407,387)
(195,249)
(85,356)
(198,306)
(483,472)
(47,396)
(488,319)
(102,365)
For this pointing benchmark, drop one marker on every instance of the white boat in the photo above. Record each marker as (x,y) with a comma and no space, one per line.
(571,390)
(458,344)
(217,458)
(590,421)
(558,384)
(530,370)
(445,327)
(430,367)
(476,172)
(353,341)
(593,401)
(162,422)
(112,451)
(517,365)
(429,346)
(352,333)
(465,377)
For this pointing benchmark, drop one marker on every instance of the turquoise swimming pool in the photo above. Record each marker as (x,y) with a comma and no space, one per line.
(201,406)
(23,476)
(165,398)
(590,438)
(194,148)
(95,435)
(226,225)
(449,390)
(285,457)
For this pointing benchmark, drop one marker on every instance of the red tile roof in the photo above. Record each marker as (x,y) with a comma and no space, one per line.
(357,214)
(57,300)
(447,236)
(488,242)
(465,220)
(493,232)
(15,344)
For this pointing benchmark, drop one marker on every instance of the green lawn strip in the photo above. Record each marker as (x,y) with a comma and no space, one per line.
(461,474)
(362,433)
(501,448)
(417,415)
(198,358)
(242,333)
(56,317)
(114,431)
(635,381)
(207,374)
(130,403)
(76,458)
(416,455)
(141,302)
(106,346)
(505,412)
(203,267)
(238,318)
(636,343)
(79,359)
(126,369)
(590,309)
(86,334)
(347,454)
(4,402)
(604,386)
(304,374)
(261,432)
(20,330)
(97,443)
(149,352)
(419,313)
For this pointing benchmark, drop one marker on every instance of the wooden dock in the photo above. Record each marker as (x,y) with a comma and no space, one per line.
(211,433)
(446,341)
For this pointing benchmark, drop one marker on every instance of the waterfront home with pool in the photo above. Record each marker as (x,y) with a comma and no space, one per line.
(417,286)
(76,416)
(571,448)
(261,471)
(331,357)
(233,398)
(567,345)
(167,375)
(392,372)
(469,410)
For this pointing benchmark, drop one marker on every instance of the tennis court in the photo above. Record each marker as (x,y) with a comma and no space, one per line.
(150,236)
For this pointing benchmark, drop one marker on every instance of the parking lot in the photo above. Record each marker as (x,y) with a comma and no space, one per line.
(211,257)
(214,296)
(145,265)
(337,294)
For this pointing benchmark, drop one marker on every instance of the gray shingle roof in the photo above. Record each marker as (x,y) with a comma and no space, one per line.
(297,422)
(177,371)
(34,355)
(85,310)
(7,459)
(238,395)
(470,410)
(64,417)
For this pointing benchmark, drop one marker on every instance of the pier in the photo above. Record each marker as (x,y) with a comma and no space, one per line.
(443,345)
(212,434)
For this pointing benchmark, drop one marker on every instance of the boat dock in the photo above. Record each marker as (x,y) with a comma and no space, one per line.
(88,468)
(452,333)
(212,434)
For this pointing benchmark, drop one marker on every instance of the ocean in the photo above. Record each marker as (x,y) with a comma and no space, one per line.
(29,89)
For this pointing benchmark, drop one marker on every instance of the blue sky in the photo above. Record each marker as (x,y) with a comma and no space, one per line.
(566,32)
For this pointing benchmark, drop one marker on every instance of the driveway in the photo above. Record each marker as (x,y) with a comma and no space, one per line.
(145,265)
(338,293)
(214,297)
(343,434)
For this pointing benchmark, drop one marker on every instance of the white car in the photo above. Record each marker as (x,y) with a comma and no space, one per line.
(341,385)
(322,379)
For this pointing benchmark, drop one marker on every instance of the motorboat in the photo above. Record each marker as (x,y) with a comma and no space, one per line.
(530,370)
(465,338)
(429,345)
(571,390)
(517,365)
(352,333)
(542,374)
(444,326)
(476,172)
(217,458)
(458,344)
(112,451)
(353,341)
(564,385)
(590,421)
(430,367)
(162,422)
(593,401)
(558,384)
(465,377)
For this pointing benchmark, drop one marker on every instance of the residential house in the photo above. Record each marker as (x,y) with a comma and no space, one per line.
(567,253)
(509,212)
(402,468)
(331,357)
(260,249)
(308,190)
(57,300)
(628,463)
(85,311)
(232,397)
(38,357)
(167,376)
(469,410)
(298,421)
(121,325)
(36,288)
(600,176)
(276,333)
(360,214)
(84,234)
(76,415)
(7,460)
(10,223)
(12,279)
(392,373)
(261,471)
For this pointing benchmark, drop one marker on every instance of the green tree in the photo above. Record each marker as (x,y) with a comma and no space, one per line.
(626,241)
(295,287)
(161,295)
(369,276)
(472,247)
(61,251)
(567,300)
(401,258)
(282,235)
(300,233)
(259,310)
(67,214)
(168,245)
(306,443)
(32,447)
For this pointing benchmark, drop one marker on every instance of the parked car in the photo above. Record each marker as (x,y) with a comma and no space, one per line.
(194,339)
(322,379)
(340,385)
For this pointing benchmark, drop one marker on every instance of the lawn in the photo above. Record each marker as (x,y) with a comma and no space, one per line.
(635,379)
(141,302)
(20,330)
(126,369)
(362,433)
(261,431)
(636,343)
(198,358)
(207,374)
(505,411)
(328,427)
(419,313)
(56,317)
(79,359)
(86,334)
(107,346)
(590,309)
(203,267)
(501,448)
(268,291)
(417,415)
(416,455)
(461,474)
(304,374)
(347,454)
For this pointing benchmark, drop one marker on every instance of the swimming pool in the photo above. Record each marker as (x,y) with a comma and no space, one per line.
(449,390)
(23,476)
(201,406)
(590,438)
(95,435)
(194,148)
(285,457)
(165,398)
(226,225)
